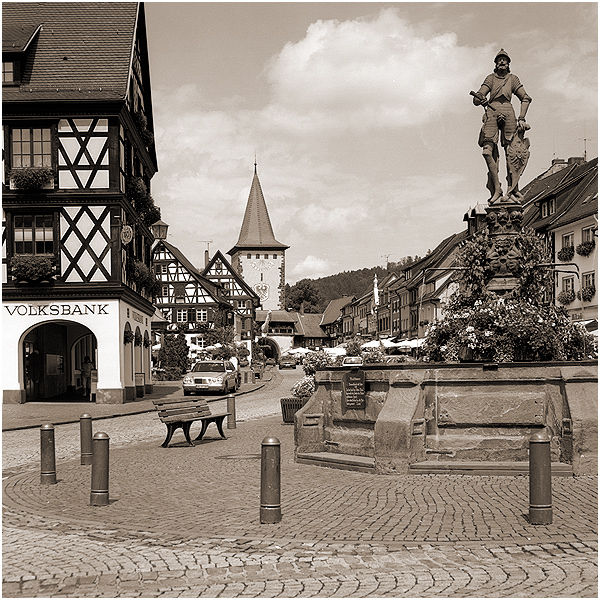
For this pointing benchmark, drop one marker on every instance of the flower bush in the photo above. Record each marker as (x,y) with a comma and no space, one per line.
(316,360)
(373,356)
(586,248)
(137,193)
(304,388)
(128,336)
(566,297)
(138,340)
(516,327)
(566,254)
(31,178)
(142,276)
(29,267)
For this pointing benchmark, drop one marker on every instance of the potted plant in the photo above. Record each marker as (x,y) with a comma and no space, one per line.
(32,268)
(31,178)
(566,254)
(586,248)
(128,336)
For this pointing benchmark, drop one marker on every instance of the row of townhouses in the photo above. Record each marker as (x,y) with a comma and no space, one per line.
(561,205)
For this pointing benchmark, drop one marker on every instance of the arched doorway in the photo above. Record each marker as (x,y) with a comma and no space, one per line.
(52,356)
(269,348)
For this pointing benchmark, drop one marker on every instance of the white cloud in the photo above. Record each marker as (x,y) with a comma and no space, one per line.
(381,72)
(311,267)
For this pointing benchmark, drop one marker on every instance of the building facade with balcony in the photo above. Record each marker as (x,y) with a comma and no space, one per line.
(79,157)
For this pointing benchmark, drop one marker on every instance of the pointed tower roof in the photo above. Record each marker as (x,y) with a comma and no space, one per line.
(256,231)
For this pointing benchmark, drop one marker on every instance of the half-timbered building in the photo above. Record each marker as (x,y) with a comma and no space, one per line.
(237,292)
(78,160)
(189,301)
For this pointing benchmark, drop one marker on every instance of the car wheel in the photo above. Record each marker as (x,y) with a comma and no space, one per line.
(186,393)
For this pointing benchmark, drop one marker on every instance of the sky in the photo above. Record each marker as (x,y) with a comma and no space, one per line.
(358,115)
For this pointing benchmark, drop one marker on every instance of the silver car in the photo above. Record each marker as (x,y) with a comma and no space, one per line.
(211,376)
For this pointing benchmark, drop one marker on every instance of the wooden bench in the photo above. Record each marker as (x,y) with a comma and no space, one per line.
(177,412)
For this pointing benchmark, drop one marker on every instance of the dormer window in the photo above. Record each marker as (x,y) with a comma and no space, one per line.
(10,72)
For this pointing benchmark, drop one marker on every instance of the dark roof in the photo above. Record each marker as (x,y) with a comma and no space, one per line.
(308,325)
(334,309)
(256,231)
(277,316)
(83,50)
(575,189)
(16,38)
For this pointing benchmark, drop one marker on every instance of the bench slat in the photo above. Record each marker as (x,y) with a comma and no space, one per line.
(180,402)
(184,411)
(179,399)
(191,416)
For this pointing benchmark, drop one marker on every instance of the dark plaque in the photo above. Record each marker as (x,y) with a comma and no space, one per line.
(354,389)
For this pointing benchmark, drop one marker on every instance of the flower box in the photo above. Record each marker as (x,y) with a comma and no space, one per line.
(31,268)
(566,254)
(586,248)
(586,293)
(566,297)
(290,406)
(31,178)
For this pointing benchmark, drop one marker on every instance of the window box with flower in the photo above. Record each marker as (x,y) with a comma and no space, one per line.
(32,268)
(586,293)
(31,178)
(586,248)
(566,297)
(566,254)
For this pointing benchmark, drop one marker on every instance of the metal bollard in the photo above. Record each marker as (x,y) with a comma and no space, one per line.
(99,494)
(48,460)
(540,479)
(270,481)
(85,437)
(231,424)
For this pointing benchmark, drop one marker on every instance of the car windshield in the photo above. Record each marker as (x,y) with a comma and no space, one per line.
(209,368)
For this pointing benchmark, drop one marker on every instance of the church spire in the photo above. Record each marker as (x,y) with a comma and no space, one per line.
(256,231)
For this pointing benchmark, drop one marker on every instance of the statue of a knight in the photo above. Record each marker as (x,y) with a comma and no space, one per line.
(501,125)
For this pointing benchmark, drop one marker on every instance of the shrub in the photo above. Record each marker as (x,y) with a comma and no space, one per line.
(586,248)
(566,254)
(173,355)
(353,347)
(316,360)
(29,267)
(373,356)
(31,178)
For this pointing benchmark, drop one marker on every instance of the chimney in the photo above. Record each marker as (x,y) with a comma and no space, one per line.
(206,258)
(302,307)
(576,160)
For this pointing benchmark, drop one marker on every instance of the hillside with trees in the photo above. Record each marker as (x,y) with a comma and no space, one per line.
(317,293)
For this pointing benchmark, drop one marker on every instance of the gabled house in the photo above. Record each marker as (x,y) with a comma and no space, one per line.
(332,320)
(237,292)
(186,299)
(78,161)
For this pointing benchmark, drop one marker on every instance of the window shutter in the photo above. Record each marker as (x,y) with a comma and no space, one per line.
(191,315)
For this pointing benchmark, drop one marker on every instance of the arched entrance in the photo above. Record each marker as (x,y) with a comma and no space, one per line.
(270,348)
(52,354)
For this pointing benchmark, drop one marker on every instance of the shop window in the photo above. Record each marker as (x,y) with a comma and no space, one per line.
(31,147)
(33,234)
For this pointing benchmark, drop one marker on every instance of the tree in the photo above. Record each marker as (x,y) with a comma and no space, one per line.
(305,291)
(173,355)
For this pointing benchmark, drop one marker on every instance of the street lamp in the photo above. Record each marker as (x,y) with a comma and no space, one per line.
(159,230)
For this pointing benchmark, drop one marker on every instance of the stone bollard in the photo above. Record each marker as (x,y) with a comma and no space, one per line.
(270,481)
(99,494)
(85,437)
(540,479)
(231,424)
(47,452)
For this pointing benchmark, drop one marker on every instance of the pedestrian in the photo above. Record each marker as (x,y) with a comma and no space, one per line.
(86,373)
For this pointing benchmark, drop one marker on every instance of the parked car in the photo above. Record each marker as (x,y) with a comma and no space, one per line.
(211,376)
(287,362)
(352,361)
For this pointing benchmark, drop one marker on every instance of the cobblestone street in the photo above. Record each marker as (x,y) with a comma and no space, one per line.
(184,522)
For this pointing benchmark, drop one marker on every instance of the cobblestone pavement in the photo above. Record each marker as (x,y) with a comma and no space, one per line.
(184,522)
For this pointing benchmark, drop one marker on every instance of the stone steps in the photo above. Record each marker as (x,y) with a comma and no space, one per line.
(433,467)
(348,462)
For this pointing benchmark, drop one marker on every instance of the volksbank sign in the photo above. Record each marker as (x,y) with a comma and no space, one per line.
(56,310)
